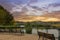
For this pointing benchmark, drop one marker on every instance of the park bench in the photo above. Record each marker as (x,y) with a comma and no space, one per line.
(46,35)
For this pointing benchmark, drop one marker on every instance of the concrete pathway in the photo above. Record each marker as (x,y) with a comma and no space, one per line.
(17,36)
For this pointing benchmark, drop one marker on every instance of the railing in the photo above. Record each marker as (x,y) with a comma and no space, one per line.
(11,30)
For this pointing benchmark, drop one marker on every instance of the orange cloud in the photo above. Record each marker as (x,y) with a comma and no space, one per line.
(36,18)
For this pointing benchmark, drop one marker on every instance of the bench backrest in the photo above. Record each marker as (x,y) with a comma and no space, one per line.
(46,35)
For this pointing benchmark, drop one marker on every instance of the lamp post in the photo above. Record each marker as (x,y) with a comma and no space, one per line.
(59,34)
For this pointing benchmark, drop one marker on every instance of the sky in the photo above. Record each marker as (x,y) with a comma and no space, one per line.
(44,4)
(31,1)
(32,7)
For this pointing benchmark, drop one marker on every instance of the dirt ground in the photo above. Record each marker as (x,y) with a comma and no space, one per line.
(17,36)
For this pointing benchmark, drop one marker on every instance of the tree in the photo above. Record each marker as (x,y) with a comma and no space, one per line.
(5,17)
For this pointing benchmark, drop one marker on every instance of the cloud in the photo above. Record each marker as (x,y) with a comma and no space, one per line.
(51,9)
(18,5)
(17,8)
(43,3)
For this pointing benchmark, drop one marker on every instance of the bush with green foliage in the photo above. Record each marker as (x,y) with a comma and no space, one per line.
(29,30)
